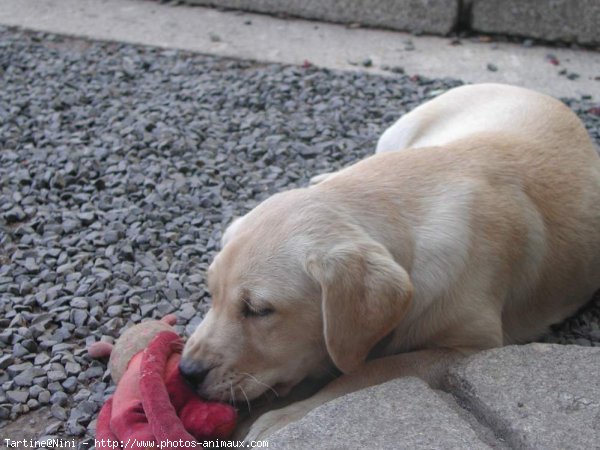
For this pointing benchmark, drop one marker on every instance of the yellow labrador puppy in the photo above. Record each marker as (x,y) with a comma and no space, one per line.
(476,225)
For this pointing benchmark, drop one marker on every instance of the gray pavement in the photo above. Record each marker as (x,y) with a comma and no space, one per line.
(400,414)
(550,20)
(430,16)
(265,38)
(538,396)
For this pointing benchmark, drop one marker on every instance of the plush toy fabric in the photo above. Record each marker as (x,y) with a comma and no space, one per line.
(152,405)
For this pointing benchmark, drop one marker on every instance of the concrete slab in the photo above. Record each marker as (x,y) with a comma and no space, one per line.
(534,396)
(265,38)
(428,16)
(557,20)
(400,414)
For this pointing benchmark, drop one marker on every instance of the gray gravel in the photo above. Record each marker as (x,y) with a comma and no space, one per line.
(120,165)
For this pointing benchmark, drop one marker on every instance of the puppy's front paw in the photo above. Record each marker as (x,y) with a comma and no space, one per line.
(270,422)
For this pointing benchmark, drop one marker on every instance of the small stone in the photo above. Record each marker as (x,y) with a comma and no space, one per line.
(79,317)
(35,391)
(33,404)
(58,412)
(111,237)
(54,387)
(56,375)
(44,397)
(83,394)
(146,310)
(72,368)
(29,345)
(5,361)
(26,288)
(128,67)
(94,372)
(59,398)
(69,226)
(87,218)
(114,311)
(15,214)
(6,336)
(17,409)
(171,294)
(75,429)
(17,396)
(187,311)
(88,407)
(19,351)
(25,378)
(79,302)
(552,59)
(492,67)
(62,347)
(31,265)
(165,307)
(64,269)
(70,384)
(41,381)
(126,252)
(53,428)
(15,369)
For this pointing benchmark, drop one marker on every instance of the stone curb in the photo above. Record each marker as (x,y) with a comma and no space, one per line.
(557,20)
(534,396)
(429,16)
(528,397)
(549,20)
(400,414)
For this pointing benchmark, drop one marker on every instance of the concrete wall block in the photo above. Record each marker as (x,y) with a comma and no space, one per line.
(552,20)
(536,396)
(400,414)
(428,16)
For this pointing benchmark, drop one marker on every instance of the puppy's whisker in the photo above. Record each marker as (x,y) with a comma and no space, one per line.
(246,397)
(232,395)
(260,382)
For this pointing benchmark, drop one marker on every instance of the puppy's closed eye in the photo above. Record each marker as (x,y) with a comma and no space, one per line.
(250,310)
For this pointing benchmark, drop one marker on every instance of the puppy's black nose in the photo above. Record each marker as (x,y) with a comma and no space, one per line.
(194,372)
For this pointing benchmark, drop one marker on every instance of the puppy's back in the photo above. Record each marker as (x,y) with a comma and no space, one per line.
(467,110)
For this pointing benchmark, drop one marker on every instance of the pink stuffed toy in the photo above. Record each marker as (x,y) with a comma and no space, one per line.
(153,406)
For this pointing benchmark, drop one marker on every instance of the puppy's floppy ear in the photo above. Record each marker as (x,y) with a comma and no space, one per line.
(365,294)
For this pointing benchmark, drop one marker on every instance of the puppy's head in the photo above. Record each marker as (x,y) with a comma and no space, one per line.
(296,290)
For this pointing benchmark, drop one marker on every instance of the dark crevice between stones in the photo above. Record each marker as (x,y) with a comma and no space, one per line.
(492,431)
(464,17)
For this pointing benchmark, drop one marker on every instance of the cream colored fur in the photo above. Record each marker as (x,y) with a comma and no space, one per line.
(476,225)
